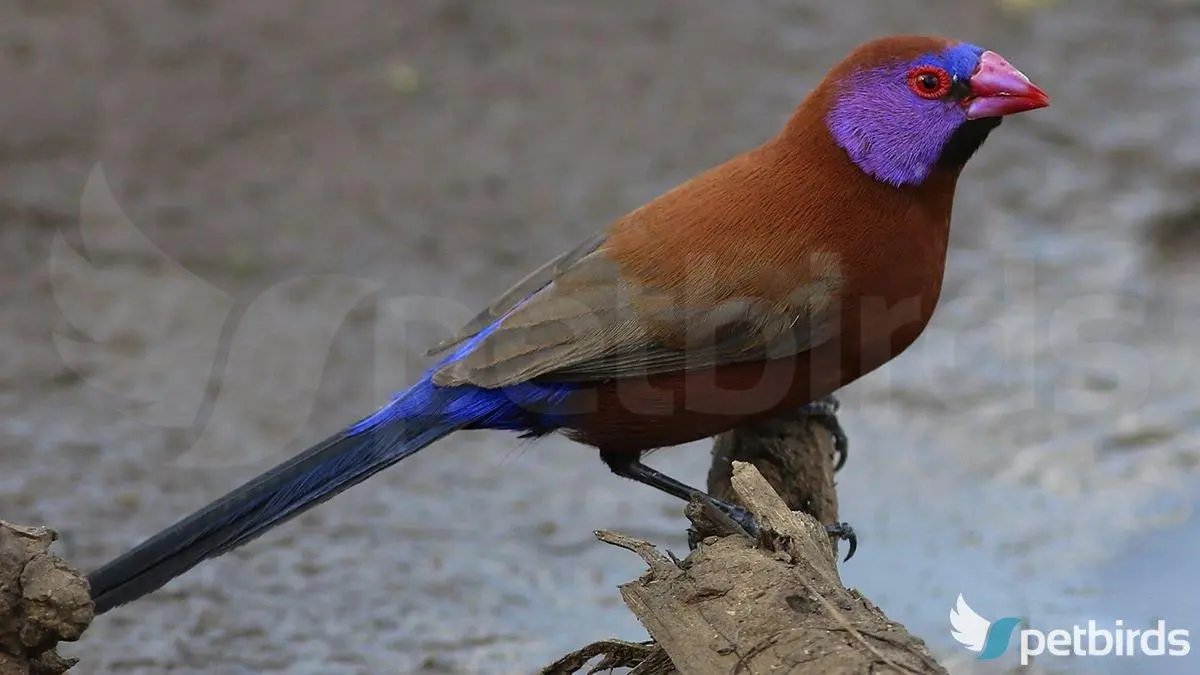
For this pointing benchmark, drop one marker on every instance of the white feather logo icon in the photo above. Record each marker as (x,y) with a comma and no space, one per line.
(967,627)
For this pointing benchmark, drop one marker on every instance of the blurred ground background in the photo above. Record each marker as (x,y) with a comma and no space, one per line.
(1035,451)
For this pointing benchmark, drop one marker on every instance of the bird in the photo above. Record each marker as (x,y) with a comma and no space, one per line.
(762,285)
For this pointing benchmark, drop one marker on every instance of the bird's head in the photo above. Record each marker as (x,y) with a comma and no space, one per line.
(902,106)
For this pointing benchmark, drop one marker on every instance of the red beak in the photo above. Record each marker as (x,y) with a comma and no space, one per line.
(998,89)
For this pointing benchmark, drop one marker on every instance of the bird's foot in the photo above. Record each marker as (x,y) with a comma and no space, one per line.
(746,521)
(823,411)
(847,534)
(629,466)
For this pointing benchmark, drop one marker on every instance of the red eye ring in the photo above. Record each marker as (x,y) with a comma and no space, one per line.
(929,81)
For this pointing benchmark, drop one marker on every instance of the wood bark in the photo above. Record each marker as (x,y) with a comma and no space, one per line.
(772,605)
(43,601)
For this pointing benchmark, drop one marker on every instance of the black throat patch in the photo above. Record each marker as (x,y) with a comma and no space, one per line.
(965,141)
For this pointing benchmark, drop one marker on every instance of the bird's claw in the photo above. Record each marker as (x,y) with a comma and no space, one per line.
(746,521)
(823,411)
(845,532)
(739,515)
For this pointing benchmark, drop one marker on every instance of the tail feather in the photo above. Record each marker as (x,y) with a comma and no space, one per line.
(306,480)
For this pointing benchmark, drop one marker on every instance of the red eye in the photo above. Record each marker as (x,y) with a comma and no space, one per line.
(929,81)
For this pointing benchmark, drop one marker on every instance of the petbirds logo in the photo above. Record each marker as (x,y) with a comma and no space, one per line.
(991,638)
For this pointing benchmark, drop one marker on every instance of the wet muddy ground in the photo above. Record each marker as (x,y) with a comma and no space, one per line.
(218,221)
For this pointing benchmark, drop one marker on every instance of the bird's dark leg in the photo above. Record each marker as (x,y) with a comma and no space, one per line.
(823,411)
(629,465)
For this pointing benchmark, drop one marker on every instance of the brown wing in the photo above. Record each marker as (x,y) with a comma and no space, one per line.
(534,282)
(591,322)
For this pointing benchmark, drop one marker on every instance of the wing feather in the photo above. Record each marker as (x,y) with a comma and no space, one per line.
(532,283)
(592,322)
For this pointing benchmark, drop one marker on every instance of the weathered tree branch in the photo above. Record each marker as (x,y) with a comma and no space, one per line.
(43,601)
(734,605)
(772,605)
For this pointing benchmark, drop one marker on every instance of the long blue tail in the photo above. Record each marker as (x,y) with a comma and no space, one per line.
(286,491)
